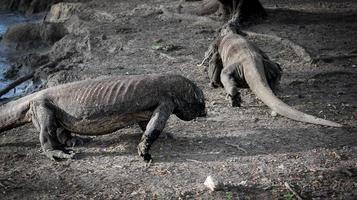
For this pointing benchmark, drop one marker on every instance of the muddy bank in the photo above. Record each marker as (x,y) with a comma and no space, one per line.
(30,7)
(8,19)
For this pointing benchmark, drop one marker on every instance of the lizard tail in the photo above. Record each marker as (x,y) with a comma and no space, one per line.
(15,113)
(260,87)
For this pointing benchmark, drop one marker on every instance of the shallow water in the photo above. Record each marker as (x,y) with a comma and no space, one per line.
(7,19)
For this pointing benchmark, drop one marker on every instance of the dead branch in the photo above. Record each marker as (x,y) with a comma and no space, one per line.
(16,83)
(299,50)
(293,191)
(192,160)
(236,146)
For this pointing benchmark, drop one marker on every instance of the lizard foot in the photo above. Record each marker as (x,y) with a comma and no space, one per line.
(142,151)
(58,154)
(235,100)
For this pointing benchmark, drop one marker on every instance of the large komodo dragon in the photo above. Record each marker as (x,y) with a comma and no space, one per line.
(237,63)
(101,106)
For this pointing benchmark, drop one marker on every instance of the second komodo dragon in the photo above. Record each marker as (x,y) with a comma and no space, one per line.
(101,106)
(237,63)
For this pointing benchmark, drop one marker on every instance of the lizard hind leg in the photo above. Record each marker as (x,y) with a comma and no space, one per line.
(273,73)
(44,120)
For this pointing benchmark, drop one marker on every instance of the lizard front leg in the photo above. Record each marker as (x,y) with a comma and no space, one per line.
(44,120)
(154,128)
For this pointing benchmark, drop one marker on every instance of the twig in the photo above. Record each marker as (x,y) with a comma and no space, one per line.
(148,164)
(16,83)
(348,172)
(299,50)
(236,146)
(293,191)
(192,160)
(208,54)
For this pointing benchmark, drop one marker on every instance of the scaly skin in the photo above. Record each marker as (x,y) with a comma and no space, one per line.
(237,63)
(101,106)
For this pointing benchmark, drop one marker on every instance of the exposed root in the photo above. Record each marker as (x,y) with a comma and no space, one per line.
(188,17)
(299,50)
(16,83)
(208,7)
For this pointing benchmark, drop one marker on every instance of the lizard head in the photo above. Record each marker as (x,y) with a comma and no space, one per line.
(191,103)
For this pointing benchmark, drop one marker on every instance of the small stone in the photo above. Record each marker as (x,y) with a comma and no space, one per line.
(104,37)
(212,183)
(112,49)
(243,183)
(273,113)
(133,193)
(354,66)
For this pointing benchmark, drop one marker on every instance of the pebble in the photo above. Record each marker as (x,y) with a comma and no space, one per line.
(212,183)
(354,66)
(273,113)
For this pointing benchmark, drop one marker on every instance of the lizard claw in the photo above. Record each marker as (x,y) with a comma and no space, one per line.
(235,100)
(58,154)
(143,152)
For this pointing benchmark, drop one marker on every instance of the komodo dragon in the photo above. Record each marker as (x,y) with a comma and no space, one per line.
(237,63)
(101,106)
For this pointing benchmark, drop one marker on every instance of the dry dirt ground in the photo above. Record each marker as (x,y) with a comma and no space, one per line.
(251,152)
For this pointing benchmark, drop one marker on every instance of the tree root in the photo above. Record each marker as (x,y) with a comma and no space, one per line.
(187,17)
(208,7)
(299,50)
(16,83)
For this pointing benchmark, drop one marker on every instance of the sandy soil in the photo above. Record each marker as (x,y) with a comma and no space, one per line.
(251,152)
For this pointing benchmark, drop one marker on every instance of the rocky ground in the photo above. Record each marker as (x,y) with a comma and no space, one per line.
(252,153)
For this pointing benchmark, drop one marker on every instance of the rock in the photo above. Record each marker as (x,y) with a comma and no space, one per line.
(144,10)
(212,183)
(26,6)
(273,113)
(61,12)
(32,35)
(255,119)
